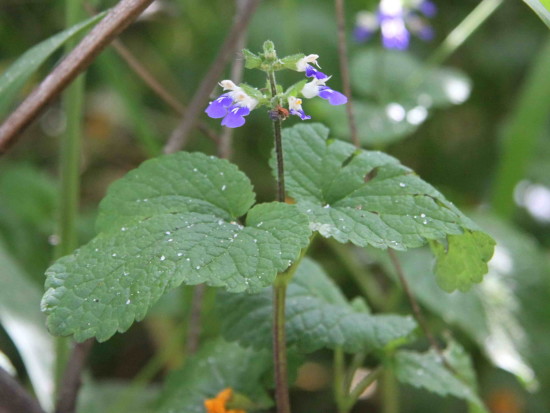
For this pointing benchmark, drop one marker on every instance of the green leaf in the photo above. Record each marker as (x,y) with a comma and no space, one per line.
(317,316)
(13,79)
(252,61)
(24,324)
(218,365)
(369,198)
(178,183)
(464,260)
(501,313)
(426,371)
(542,8)
(147,248)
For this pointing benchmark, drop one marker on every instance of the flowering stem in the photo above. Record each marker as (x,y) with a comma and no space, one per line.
(281,282)
(464,30)
(278,143)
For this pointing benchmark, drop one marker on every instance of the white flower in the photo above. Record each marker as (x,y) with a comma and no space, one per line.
(304,62)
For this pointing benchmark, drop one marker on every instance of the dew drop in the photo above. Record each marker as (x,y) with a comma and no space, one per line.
(162,258)
(260,224)
(123,229)
(180,254)
(423,215)
(195,169)
(113,254)
(128,301)
(198,267)
(326,206)
(224,187)
(402,185)
(425,221)
(170,240)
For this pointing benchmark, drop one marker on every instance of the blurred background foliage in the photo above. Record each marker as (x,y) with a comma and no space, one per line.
(457,148)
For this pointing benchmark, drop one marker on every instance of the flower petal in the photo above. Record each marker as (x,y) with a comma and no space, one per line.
(235,116)
(334,98)
(218,108)
(300,113)
(312,72)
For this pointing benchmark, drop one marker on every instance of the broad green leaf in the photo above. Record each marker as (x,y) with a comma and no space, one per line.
(24,324)
(463,261)
(427,371)
(13,79)
(369,198)
(177,183)
(542,8)
(154,240)
(505,310)
(317,316)
(218,365)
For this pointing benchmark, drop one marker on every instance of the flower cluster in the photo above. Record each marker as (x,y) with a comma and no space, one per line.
(396,19)
(238,101)
(218,403)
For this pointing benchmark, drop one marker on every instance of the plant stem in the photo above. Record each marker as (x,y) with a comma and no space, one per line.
(464,30)
(340,388)
(281,282)
(70,146)
(362,386)
(344,70)
(278,144)
(390,393)
(279,346)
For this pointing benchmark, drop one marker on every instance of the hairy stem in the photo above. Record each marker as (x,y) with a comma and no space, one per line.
(281,282)
(390,392)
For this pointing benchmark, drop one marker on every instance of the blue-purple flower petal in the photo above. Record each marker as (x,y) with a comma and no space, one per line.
(362,34)
(300,113)
(312,72)
(334,98)
(218,108)
(235,116)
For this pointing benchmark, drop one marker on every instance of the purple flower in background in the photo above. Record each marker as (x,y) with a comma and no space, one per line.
(396,19)
(295,106)
(303,65)
(232,106)
(317,87)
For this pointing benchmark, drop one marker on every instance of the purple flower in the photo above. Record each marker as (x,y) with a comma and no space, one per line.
(317,87)
(295,106)
(232,106)
(303,65)
(396,19)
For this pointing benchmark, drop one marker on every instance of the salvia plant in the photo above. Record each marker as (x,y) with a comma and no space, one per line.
(195,222)
(188,219)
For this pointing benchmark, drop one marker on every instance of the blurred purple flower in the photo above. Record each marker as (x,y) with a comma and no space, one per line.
(317,87)
(396,19)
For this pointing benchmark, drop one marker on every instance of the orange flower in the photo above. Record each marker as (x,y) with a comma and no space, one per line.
(218,403)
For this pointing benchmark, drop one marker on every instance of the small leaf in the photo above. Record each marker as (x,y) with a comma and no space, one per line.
(317,316)
(218,365)
(464,260)
(426,371)
(13,79)
(252,61)
(149,247)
